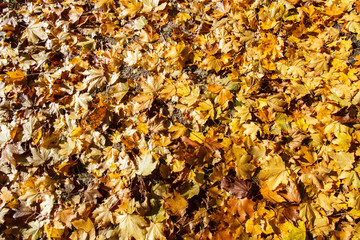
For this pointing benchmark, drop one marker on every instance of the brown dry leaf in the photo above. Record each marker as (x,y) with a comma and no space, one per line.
(95,118)
(291,213)
(189,142)
(92,192)
(239,188)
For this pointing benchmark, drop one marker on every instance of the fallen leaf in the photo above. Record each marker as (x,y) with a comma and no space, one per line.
(240,188)
(146,165)
(243,207)
(176,205)
(130,226)
(274,172)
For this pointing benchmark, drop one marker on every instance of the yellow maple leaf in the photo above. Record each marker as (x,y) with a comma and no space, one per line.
(235,125)
(319,62)
(308,212)
(146,165)
(351,179)
(252,227)
(142,128)
(334,10)
(55,231)
(251,130)
(274,172)
(152,6)
(197,137)
(119,91)
(192,98)
(208,108)
(212,63)
(182,18)
(182,89)
(178,130)
(270,195)
(343,160)
(294,232)
(244,167)
(131,7)
(343,141)
(168,91)
(85,225)
(270,46)
(156,231)
(297,68)
(130,226)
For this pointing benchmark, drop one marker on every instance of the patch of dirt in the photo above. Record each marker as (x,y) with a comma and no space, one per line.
(356,49)
(133,73)
(178,116)
(166,30)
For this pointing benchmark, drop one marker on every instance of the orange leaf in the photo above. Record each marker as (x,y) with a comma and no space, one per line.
(176,205)
(16,76)
(189,141)
(224,97)
(270,195)
(96,117)
(214,88)
(334,10)
(293,1)
(243,207)
(358,59)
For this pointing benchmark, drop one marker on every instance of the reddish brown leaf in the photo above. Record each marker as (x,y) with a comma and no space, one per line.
(189,141)
(291,213)
(239,188)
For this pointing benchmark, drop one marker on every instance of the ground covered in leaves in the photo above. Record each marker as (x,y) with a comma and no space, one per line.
(154,119)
